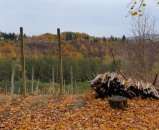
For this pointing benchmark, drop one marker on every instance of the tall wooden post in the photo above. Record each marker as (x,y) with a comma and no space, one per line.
(50,90)
(71,79)
(60,61)
(32,80)
(37,87)
(64,86)
(53,80)
(12,77)
(22,62)
(74,87)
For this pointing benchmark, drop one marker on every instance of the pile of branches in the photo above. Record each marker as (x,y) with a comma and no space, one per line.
(110,84)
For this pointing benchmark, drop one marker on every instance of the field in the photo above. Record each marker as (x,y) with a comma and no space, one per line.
(75,112)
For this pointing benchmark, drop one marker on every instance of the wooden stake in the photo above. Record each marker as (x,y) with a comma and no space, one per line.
(32,81)
(74,87)
(37,87)
(71,78)
(12,77)
(60,61)
(23,62)
(64,86)
(53,87)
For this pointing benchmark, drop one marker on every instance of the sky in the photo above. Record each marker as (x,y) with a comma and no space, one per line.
(94,17)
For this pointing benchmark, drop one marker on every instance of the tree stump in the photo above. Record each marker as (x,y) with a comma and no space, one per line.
(118,102)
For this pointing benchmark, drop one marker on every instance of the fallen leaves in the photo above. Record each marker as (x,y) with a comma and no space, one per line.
(65,112)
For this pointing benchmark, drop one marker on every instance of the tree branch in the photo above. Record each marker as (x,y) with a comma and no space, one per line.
(115,62)
(155,79)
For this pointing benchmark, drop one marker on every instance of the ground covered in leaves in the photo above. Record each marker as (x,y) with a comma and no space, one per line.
(75,112)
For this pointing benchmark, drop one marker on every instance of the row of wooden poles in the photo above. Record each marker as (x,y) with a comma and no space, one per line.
(52,89)
(23,63)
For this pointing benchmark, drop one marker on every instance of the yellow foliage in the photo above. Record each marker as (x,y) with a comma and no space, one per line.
(1,55)
(107,58)
(79,56)
(13,54)
(70,51)
(8,48)
(83,49)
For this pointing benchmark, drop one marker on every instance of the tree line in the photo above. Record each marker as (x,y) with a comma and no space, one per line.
(43,68)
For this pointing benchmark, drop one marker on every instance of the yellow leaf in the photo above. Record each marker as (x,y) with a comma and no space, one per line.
(143,4)
(139,10)
(140,15)
(134,13)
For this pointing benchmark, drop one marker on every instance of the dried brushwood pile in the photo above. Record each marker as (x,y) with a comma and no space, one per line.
(110,84)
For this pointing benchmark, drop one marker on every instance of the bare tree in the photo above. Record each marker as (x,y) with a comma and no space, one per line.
(144,27)
(144,48)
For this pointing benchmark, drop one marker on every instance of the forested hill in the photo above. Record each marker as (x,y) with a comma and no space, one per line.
(77,45)
(86,54)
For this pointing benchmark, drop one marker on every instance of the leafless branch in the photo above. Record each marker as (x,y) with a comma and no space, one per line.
(155,79)
(115,62)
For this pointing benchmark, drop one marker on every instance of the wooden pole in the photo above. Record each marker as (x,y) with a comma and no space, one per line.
(32,80)
(71,78)
(64,86)
(50,90)
(23,62)
(53,80)
(68,89)
(74,87)
(37,87)
(12,77)
(60,61)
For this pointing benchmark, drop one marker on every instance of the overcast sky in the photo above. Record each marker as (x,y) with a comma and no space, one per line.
(94,17)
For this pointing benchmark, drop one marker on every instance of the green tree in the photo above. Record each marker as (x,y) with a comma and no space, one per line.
(123,38)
